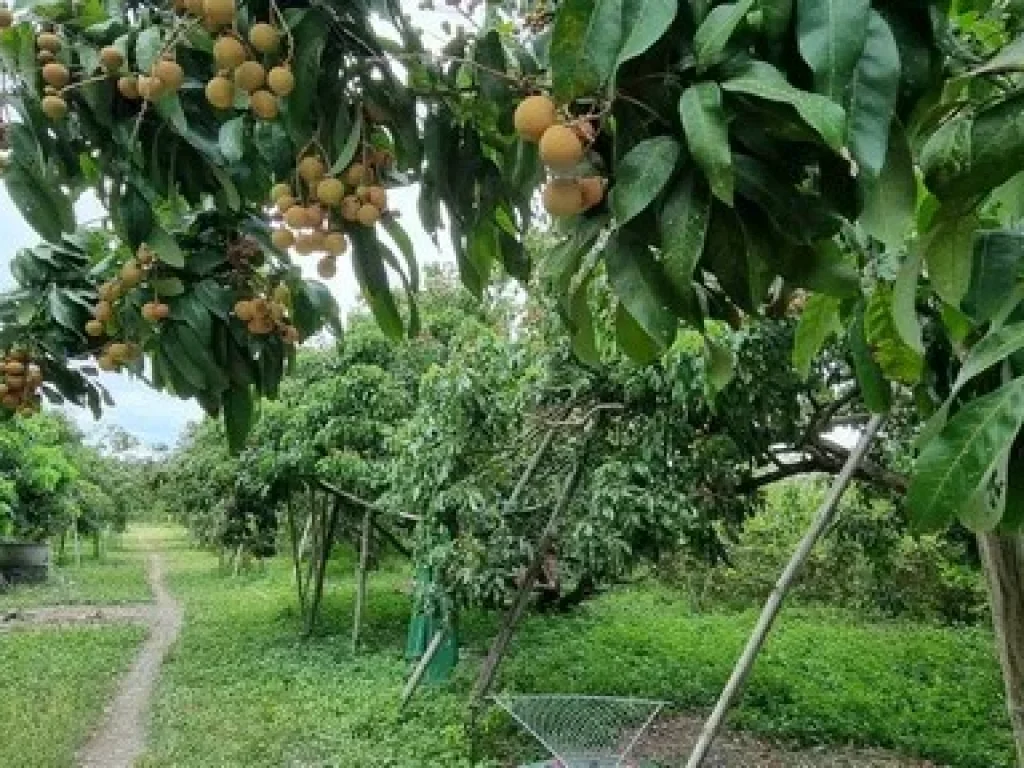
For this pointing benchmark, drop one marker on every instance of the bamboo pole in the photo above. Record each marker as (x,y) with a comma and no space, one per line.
(421,667)
(826,515)
(364,556)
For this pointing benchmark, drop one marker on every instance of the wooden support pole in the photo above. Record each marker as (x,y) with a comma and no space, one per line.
(826,515)
(364,557)
(421,667)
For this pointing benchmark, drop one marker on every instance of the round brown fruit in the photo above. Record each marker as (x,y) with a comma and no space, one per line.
(249,76)
(245,310)
(228,52)
(169,73)
(14,382)
(281,80)
(195,7)
(295,217)
(264,37)
(314,215)
(111,58)
(560,148)
(327,267)
(285,204)
(311,169)
(14,368)
(291,334)
(162,311)
(48,42)
(261,326)
(377,196)
(282,239)
(131,274)
(6,18)
(45,57)
(128,86)
(149,311)
(368,214)
(110,290)
(94,328)
(330,191)
(56,74)
(106,363)
(220,92)
(305,244)
(280,190)
(264,105)
(102,311)
(219,13)
(151,88)
(335,243)
(350,208)
(54,107)
(592,188)
(119,352)
(533,116)
(355,175)
(563,197)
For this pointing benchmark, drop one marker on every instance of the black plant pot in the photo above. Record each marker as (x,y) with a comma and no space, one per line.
(24,562)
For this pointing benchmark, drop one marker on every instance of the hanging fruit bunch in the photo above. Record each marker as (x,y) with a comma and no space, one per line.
(266,314)
(20,380)
(563,146)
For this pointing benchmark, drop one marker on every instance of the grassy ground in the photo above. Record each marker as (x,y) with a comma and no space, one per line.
(243,690)
(120,577)
(53,686)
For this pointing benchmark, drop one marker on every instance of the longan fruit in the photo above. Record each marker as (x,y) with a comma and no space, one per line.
(533,116)
(563,197)
(220,92)
(261,326)
(48,42)
(128,86)
(264,37)
(14,368)
(592,188)
(110,290)
(560,148)
(295,217)
(285,203)
(195,7)
(282,239)
(94,328)
(369,214)
(45,57)
(151,88)
(350,208)
(118,352)
(281,80)
(162,310)
(111,58)
(327,267)
(377,196)
(280,190)
(219,13)
(291,334)
(106,363)
(249,76)
(228,52)
(56,74)
(245,310)
(169,73)
(6,18)
(144,255)
(264,105)
(335,243)
(314,215)
(355,175)
(305,244)
(131,274)
(102,311)
(330,191)
(54,107)
(14,382)
(311,169)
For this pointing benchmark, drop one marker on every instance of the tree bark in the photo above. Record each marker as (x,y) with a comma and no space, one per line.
(1003,560)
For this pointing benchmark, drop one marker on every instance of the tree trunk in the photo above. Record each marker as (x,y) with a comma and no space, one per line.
(1003,559)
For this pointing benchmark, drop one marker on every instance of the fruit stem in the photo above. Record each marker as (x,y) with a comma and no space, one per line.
(80,83)
(287,31)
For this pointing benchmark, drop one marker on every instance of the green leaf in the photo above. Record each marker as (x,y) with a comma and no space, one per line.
(948,249)
(872,97)
(170,109)
(166,247)
(641,175)
(238,416)
(890,201)
(41,202)
(775,18)
(904,303)
(581,325)
(985,508)
(763,81)
(898,361)
(714,32)
(310,37)
(636,280)
(830,35)
(683,227)
(231,139)
(347,153)
(644,22)
(998,258)
(148,46)
(954,465)
(167,286)
(633,339)
(403,242)
(1009,58)
(719,366)
(133,215)
(818,321)
(707,136)
(874,388)
(373,280)
(585,43)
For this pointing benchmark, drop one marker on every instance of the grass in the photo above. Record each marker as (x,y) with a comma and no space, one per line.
(53,687)
(243,690)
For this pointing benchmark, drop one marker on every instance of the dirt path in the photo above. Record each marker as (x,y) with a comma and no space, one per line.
(121,737)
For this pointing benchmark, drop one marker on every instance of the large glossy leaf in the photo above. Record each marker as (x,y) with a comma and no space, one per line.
(238,416)
(310,38)
(641,175)
(636,279)
(148,46)
(347,151)
(948,249)
(585,44)
(830,35)
(40,202)
(897,359)
(232,139)
(890,200)
(166,247)
(715,31)
(683,228)
(985,508)
(904,303)
(644,22)
(373,280)
(998,258)
(819,320)
(874,388)
(1010,58)
(775,16)
(707,136)
(133,215)
(953,466)
(581,326)
(872,97)
(633,339)
(763,81)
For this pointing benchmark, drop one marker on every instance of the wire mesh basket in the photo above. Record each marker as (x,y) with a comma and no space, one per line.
(583,731)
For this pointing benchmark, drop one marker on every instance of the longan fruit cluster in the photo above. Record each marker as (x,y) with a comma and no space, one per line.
(562,150)
(265,315)
(20,380)
(307,209)
(56,76)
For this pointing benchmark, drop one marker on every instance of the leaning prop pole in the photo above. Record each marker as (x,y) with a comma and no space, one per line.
(826,515)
